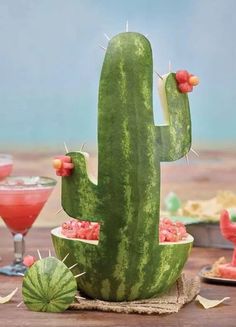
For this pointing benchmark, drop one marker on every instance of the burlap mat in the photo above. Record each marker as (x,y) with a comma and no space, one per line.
(184,290)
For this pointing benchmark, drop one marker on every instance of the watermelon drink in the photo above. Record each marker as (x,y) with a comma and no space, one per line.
(21,200)
(5,165)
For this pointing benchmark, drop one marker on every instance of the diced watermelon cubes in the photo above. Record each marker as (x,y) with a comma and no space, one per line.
(169,231)
(227,271)
(81,229)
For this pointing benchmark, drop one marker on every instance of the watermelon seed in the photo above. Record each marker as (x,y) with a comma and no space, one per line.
(106,36)
(65,257)
(73,266)
(39,254)
(80,274)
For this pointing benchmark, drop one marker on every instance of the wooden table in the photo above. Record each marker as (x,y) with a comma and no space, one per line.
(191,315)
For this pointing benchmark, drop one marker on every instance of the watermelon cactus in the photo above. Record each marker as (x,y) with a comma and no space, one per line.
(128,263)
(49,286)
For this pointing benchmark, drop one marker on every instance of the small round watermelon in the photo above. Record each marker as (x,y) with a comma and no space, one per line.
(49,286)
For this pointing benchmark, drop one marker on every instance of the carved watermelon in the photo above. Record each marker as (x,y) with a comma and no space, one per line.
(49,286)
(128,263)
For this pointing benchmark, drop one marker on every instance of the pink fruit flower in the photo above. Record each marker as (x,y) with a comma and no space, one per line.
(185,87)
(193,80)
(29,260)
(63,165)
(182,76)
(186,81)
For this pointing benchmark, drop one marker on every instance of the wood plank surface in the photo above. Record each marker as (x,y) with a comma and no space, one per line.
(201,179)
(191,315)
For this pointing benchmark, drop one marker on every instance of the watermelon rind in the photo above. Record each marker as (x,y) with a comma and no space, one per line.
(127,280)
(128,263)
(49,286)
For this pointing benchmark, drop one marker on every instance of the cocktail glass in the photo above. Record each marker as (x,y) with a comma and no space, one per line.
(21,200)
(6,164)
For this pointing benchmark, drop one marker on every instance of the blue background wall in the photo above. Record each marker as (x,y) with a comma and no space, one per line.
(50,64)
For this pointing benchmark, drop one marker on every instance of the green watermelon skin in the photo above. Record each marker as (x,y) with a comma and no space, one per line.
(130,280)
(128,263)
(48,286)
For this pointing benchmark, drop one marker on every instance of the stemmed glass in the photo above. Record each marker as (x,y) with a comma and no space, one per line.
(6,164)
(21,200)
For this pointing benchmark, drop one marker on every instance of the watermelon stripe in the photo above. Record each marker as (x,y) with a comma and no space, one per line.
(65,281)
(29,292)
(65,287)
(33,287)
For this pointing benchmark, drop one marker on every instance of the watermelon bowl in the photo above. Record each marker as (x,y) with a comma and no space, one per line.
(128,280)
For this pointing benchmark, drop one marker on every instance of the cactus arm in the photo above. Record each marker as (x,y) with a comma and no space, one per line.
(174,138)
(79,193)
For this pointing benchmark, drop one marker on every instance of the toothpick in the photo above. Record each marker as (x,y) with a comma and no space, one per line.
(169,66)
(65,257)
(65,146)
(80,275)
(102,47)
(39,254)
(187,160)
(82,146)
(73,266)
(80,297)
(127,26)
(49,253)
(195,152)
(58,211)
(19,304)
(106,36)
(20,274)
(158,75)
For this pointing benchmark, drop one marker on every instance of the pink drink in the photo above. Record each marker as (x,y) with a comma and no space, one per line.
(21,200)
(5,170)
(20,209)
(5,166)
(21,203)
